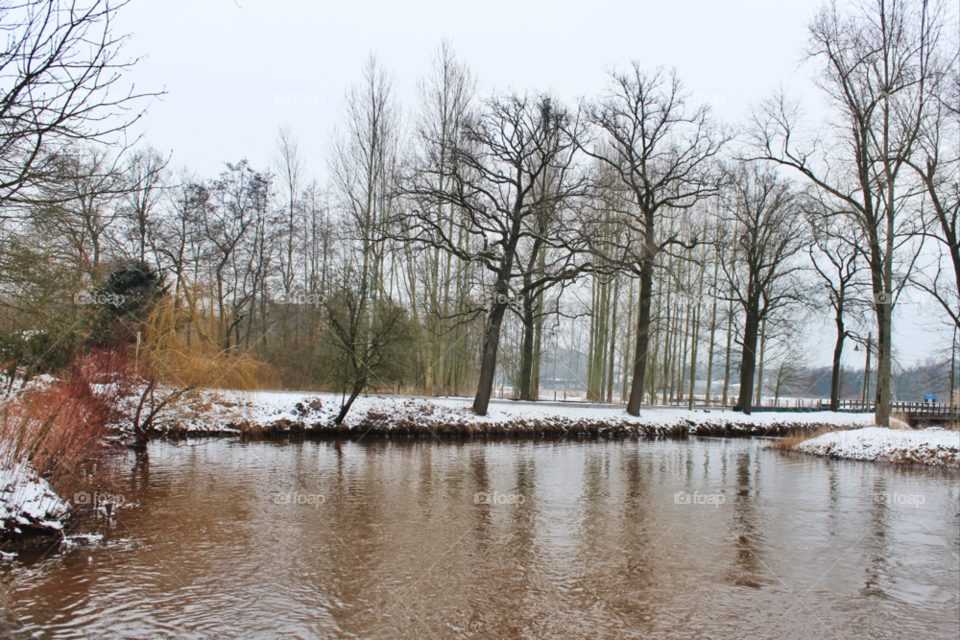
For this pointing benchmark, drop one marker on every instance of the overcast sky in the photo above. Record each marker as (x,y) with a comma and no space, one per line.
(222,64)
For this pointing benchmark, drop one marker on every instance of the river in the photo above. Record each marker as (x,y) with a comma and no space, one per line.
(703,538)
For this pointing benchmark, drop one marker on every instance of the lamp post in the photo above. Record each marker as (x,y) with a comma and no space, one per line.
(866,374)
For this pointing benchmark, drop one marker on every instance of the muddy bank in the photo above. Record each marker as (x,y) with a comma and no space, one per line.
(255,414)
(381,426)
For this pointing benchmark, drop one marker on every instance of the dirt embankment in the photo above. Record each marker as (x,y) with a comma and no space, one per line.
(396,418)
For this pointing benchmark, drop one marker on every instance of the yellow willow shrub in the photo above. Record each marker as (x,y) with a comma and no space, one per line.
(180,347)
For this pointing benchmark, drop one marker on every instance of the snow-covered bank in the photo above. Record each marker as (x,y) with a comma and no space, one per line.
(27,504)
(296,412)
(933,446)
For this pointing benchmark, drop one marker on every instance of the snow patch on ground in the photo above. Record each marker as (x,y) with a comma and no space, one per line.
(933,446)
(225,411)
(28,501)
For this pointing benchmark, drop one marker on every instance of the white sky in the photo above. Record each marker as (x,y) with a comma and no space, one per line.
(222,63)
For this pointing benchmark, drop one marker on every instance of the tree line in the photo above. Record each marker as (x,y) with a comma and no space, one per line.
(484,239)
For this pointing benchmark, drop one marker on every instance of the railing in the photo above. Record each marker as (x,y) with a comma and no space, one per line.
(849,405)
(926,409)
(913,410)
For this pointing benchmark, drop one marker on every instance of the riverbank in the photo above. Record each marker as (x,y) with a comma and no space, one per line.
(280,413)
(932,447)
(29,509)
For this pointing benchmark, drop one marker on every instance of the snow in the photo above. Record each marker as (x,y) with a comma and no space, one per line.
(933,446)
(12,387)
(27,500)
(225,411)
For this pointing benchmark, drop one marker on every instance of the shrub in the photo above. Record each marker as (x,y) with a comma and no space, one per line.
(62,429)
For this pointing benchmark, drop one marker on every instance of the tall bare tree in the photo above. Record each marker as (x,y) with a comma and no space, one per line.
(506,149)
(662,149)
(877,69)
(146,177)
(290,170)
(938,167)
(446,96)
(765,222)
(364,167)
(239,199)
(835,253)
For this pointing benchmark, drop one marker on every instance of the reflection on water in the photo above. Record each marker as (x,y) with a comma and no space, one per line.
(624,539)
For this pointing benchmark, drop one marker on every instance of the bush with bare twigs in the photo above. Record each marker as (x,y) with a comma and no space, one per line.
(63,430)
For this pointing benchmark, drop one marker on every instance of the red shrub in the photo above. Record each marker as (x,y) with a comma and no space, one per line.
(64,429)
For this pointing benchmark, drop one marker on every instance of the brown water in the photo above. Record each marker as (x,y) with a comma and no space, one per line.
(589,540)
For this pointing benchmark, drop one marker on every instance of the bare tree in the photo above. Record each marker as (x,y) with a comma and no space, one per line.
(290,169)
(506,150)
(364,167)
(938,167)
(662,150)
(82,207)
(446,97)
(239,199)
(146,176)
(767,226)
(369,335)
(877,70)
(60,64)
(837,246)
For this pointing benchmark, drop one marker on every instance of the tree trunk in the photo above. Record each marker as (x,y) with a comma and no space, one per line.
(726,365)
(882,416)
(763,346)
(748,364)
(488,363)
(695,342)
(837,353)
(537,349)
(611,355)
(713,333)
(593,351)
(357,388)
(643,334)
(526,349)
(627,342)
(866,372)
(687,329)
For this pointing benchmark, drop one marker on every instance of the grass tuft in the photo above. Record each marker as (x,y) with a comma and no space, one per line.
(789,443)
